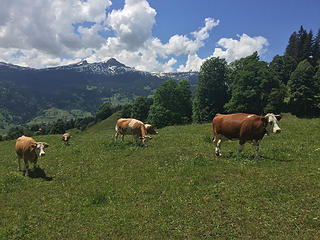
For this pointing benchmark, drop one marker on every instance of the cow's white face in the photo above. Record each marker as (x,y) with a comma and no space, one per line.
(40,148)
(272,123)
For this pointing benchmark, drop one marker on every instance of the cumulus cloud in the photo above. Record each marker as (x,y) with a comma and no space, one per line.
(44,33)
(232,49)
(48,26)
(132,24)
(193,63)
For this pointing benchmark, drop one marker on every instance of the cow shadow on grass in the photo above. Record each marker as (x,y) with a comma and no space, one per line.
(252,157)
(39,173)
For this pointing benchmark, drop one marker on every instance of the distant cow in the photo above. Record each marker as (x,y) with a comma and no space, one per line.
(245,127)
(66,137)
(28,149)
(134,127)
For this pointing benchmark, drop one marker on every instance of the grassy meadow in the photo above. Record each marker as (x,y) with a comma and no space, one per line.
(174,189)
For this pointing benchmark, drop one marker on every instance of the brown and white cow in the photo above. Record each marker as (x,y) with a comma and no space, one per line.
(243,127)
(134,127)
(66,137)
(28,149)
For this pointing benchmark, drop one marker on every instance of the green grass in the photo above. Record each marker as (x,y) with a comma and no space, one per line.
(174,189)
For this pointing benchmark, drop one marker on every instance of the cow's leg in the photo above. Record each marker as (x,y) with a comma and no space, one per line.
(35,164)
(218,147)
(240,147)
(122,138)
(26,167)
(217,141)
(256,144)
(116,136)
(19,165)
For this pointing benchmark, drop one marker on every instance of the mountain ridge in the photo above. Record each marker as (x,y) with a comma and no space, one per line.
(29,93)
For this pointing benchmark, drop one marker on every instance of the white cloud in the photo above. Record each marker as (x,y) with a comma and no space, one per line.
(46,26)
(232,49)
(44,33)
(203,33)
(132,24)
(193,63)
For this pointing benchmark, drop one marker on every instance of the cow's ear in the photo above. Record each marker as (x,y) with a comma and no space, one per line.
(46,145)
(278,117)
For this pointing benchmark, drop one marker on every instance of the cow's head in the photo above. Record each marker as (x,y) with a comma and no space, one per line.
(150,129)
(39,148)
(145,140)
(272,123)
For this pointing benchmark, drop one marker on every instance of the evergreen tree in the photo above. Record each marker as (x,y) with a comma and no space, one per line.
(212,90)
(303,90)
(316,49)
(255,88)
(302,46)
(283,66)
(292,48)
(172,104)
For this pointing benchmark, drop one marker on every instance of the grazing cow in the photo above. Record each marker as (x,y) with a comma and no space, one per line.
(65,138)
(134,127)
(28,149)
(245,127)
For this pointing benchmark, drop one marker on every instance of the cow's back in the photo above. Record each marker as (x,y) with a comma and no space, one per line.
(239,126)
(229,125)
(24,148)
(129,126)
(122,125)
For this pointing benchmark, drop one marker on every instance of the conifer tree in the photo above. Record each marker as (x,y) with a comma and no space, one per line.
(303,90)
(316,49)
(283,66)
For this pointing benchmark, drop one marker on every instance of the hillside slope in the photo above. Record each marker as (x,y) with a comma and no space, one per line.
(174,189)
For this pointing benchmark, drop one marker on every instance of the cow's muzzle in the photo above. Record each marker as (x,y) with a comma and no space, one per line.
(278,131)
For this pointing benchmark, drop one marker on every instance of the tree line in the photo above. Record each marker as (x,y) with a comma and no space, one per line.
(289,83)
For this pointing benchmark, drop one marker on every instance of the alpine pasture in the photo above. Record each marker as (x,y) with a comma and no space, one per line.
(174,189)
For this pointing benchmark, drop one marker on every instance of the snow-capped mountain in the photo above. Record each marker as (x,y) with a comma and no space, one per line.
(27,92)
(110,67)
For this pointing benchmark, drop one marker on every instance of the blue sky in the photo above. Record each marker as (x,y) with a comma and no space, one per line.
(150,35)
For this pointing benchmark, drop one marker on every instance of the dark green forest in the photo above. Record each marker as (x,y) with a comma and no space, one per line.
(289,83)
